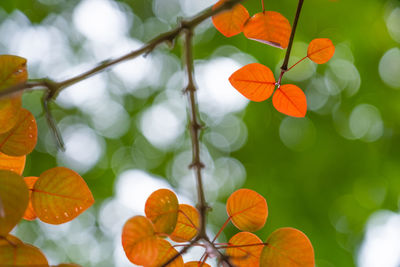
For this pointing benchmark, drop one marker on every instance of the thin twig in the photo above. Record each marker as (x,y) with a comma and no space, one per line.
(195,127)
(284,66)
(180,253)
(52,123)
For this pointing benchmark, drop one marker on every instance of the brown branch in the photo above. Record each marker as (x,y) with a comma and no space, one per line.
(284,66)
(195,128)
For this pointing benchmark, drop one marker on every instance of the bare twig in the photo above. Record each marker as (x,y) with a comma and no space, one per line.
(52,123)
(195,127)
(284,66)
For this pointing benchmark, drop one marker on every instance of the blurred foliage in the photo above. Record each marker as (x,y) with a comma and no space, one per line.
(324,174)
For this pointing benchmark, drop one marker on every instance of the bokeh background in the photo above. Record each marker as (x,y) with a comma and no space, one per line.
(334,174)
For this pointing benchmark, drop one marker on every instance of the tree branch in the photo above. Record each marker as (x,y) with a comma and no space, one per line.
(284,66)
(195,128)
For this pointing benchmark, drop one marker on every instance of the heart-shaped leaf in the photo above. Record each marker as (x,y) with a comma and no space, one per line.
(60,195)
(21,139)
(247,209)
(13,200)
(187,224)
(230,22)
(165,253)
(321,50)
(268,27)
(287,247)
(30,212)
(139,240)
(290,100)
(14,164)
(162,209)
(254,81)
(244,249)
(12,72)
(22,255)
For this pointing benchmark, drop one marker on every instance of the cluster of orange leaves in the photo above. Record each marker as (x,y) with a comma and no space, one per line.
(57,196)
(257,82)
(143,237)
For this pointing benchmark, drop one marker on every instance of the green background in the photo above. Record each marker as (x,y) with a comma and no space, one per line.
(325,174)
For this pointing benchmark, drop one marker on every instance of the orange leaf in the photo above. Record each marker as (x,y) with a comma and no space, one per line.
(287,247)
(268,27)
(139,240)
(13,200)
(245,255)
(21,139)
(247,209)
(30,214)
(321,50)
(12,72)
(230,22)
(165,253)
(14,164)
(162,209)
(254,81)
(290,100)
(187,224)
(60,195)
(22,255)
(9,239)
(9,110)
(196,264)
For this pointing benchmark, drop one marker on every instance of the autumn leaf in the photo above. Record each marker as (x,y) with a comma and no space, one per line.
(165,253)
(287,247)
(21,254)
(9,110)
(247,209)
(321,50)
(162,209)
(187,224)
(254,81)
(230,22)
(14,164)
(60,195)
(139,240)
(268,27)
(13,200)
(21,139)
(30,212)
(9,239)
(290,100)
(12,72)
(242,255)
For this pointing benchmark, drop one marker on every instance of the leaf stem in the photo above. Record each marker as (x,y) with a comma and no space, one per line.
(222,228)
(297,63)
